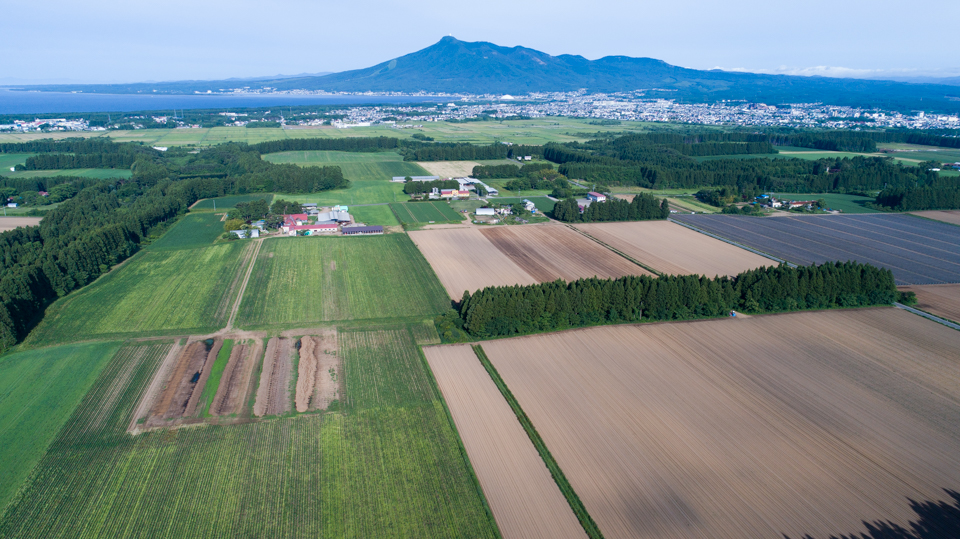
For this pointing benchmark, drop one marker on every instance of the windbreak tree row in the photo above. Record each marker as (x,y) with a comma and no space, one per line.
(644,207)
(514,310)
(919,198)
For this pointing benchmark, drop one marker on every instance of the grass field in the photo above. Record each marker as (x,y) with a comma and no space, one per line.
(38,391)
(359,192)
(425,212)
(844,421)
(844,203)
(227,202)
(374,215)
(543,203)
(216,373)
(388,464)
(192,230)
(356,166)
(303,281)
(155,291)
(10,160)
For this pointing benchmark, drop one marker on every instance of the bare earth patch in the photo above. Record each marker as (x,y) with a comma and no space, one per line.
(523,496)
(772,426)
(318,380)
(947,216)
(10,223)
(449,169)
(175,398)
(674,249)
(236,383)
(273,393)
(940,299)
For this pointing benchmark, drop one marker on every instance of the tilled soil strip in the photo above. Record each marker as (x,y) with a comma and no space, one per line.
(266,375)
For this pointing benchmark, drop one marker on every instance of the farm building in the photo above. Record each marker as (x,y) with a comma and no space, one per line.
(242,234)
(295,219)
(309,206)
(485,211)
(334,217)
(454,193)
(311,230)
(362,230)
(593,196)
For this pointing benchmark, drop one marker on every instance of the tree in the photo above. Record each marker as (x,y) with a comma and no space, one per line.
(285,207)
(233,224)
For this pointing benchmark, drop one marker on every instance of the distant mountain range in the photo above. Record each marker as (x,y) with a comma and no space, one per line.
(455,66)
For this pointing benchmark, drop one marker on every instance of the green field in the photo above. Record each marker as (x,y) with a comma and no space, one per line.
(153,292)
(356,167)
(388,463)
(39,389)
(544,204)
(844,203)
(374,215)
(10,160)
(228,202)
(299,281)
(425,212)
(360,192)
(192,230)
(216,373)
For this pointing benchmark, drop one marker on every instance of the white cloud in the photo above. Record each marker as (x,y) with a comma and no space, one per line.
(849,72)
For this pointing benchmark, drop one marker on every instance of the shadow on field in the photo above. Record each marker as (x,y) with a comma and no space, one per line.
(936,520)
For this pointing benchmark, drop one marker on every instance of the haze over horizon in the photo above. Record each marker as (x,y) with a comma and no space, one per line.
(114,41)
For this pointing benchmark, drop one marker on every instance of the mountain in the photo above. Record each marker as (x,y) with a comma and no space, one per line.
(455,66)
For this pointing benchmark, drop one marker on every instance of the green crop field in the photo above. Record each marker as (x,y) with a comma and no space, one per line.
(39,389)
(312,279)
(425,212)
(845,203)
(374,215)
(228,202)
(10,160)
(153,292)
(216,373)
(367,166)
(543,204)
(388,463)
(192,230)
(359,192)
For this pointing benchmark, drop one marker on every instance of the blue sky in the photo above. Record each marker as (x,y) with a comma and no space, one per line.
(127,41)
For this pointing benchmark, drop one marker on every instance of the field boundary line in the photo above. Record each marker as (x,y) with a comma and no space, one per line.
(243,286)
(576,505)
(928,316)
(658,273)
(735,244)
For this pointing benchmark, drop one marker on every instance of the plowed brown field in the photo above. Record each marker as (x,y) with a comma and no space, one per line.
(674,249)
(237,381)
(10,223)
(522,495)
(939,299)
(273,393)
(947,216)
(551,252)
(464,260)
(184,385)
(449,169)
(318,372)
(795,424)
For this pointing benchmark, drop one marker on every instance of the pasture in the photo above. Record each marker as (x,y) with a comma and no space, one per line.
(673,249)
(722,431)
(10,160)
(523,496)
(356,166)
(307,280)
(374,215)
(40,389)
(230,201)
(464,259)
(154,292)
(425,212)
(544,204)
(918,251)
(192,230)
(942,300)
(390,465)
(360,192)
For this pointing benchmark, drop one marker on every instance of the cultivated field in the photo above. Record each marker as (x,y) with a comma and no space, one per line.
(543,203)
(186,291)
(183,384)
(425,212)
(940,299)
(918,251)
(391,466)
(192,230)
(356,166)
(10,223)
(38,391)
(771,426)
(273,393)
(551,252)
(465,260)
(237,383)
(301,281)
(99,173)
(673,249)
(449,169)
(523,496)
(947,216)
(229,202)
(319,373)
(374,215)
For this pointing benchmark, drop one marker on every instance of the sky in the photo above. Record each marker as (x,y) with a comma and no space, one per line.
(49,41)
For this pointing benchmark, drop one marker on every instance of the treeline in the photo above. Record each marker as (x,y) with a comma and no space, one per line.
(644,207)
(465,152)
(71,145)
(58,161)
(486,172)
(722,148)
(919,198)
(513,310)
(356,144)
(417,188)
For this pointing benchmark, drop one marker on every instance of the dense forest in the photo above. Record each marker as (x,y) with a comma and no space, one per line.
(486,172)
(514,310)
(919,198)
(448,151)
(644,207)
(416,188)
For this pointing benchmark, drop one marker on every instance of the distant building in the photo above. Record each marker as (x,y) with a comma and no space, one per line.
(362,230)
(527,158)
(311,230)
(596,197)
(454,193)
(11,204)
(485,211)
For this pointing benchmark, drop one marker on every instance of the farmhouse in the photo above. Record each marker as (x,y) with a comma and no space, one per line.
(596,197)
(454,193)
(311,230)
(362,230)
(295,219)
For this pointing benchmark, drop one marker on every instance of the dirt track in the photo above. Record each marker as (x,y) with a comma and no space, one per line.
(942,300)
(273,393)
(673,249)
(804,423)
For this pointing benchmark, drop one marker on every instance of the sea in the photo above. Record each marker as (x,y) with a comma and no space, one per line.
(33,102)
